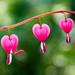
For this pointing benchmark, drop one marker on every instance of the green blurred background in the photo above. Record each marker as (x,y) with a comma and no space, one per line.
(60,57)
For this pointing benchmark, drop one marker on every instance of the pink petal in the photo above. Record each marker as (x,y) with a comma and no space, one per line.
(14,42)
(47,28)
(67,25)
(19,52)
(68,39)
(6,44)
(9,43)
(41,32)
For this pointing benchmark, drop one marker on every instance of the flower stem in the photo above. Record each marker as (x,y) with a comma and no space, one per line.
(34,17)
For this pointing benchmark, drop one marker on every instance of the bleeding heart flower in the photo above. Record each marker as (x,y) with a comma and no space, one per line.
(66,25)
(10,43)
(41,32)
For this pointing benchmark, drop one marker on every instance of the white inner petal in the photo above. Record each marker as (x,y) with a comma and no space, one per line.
(10,59)
(42,48)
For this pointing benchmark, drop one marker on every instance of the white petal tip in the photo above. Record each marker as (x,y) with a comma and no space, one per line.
(9,59)
(43,48)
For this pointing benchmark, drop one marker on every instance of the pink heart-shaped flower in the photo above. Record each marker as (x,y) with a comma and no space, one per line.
(9,43)
(41,32)
(66,24)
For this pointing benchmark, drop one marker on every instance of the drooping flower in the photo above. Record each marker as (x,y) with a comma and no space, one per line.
(9,44)
(66,25)
(41,32)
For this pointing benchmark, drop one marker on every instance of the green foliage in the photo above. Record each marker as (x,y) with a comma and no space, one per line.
(32,62)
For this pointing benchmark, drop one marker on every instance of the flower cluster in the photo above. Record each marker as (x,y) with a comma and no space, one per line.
(41,32)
